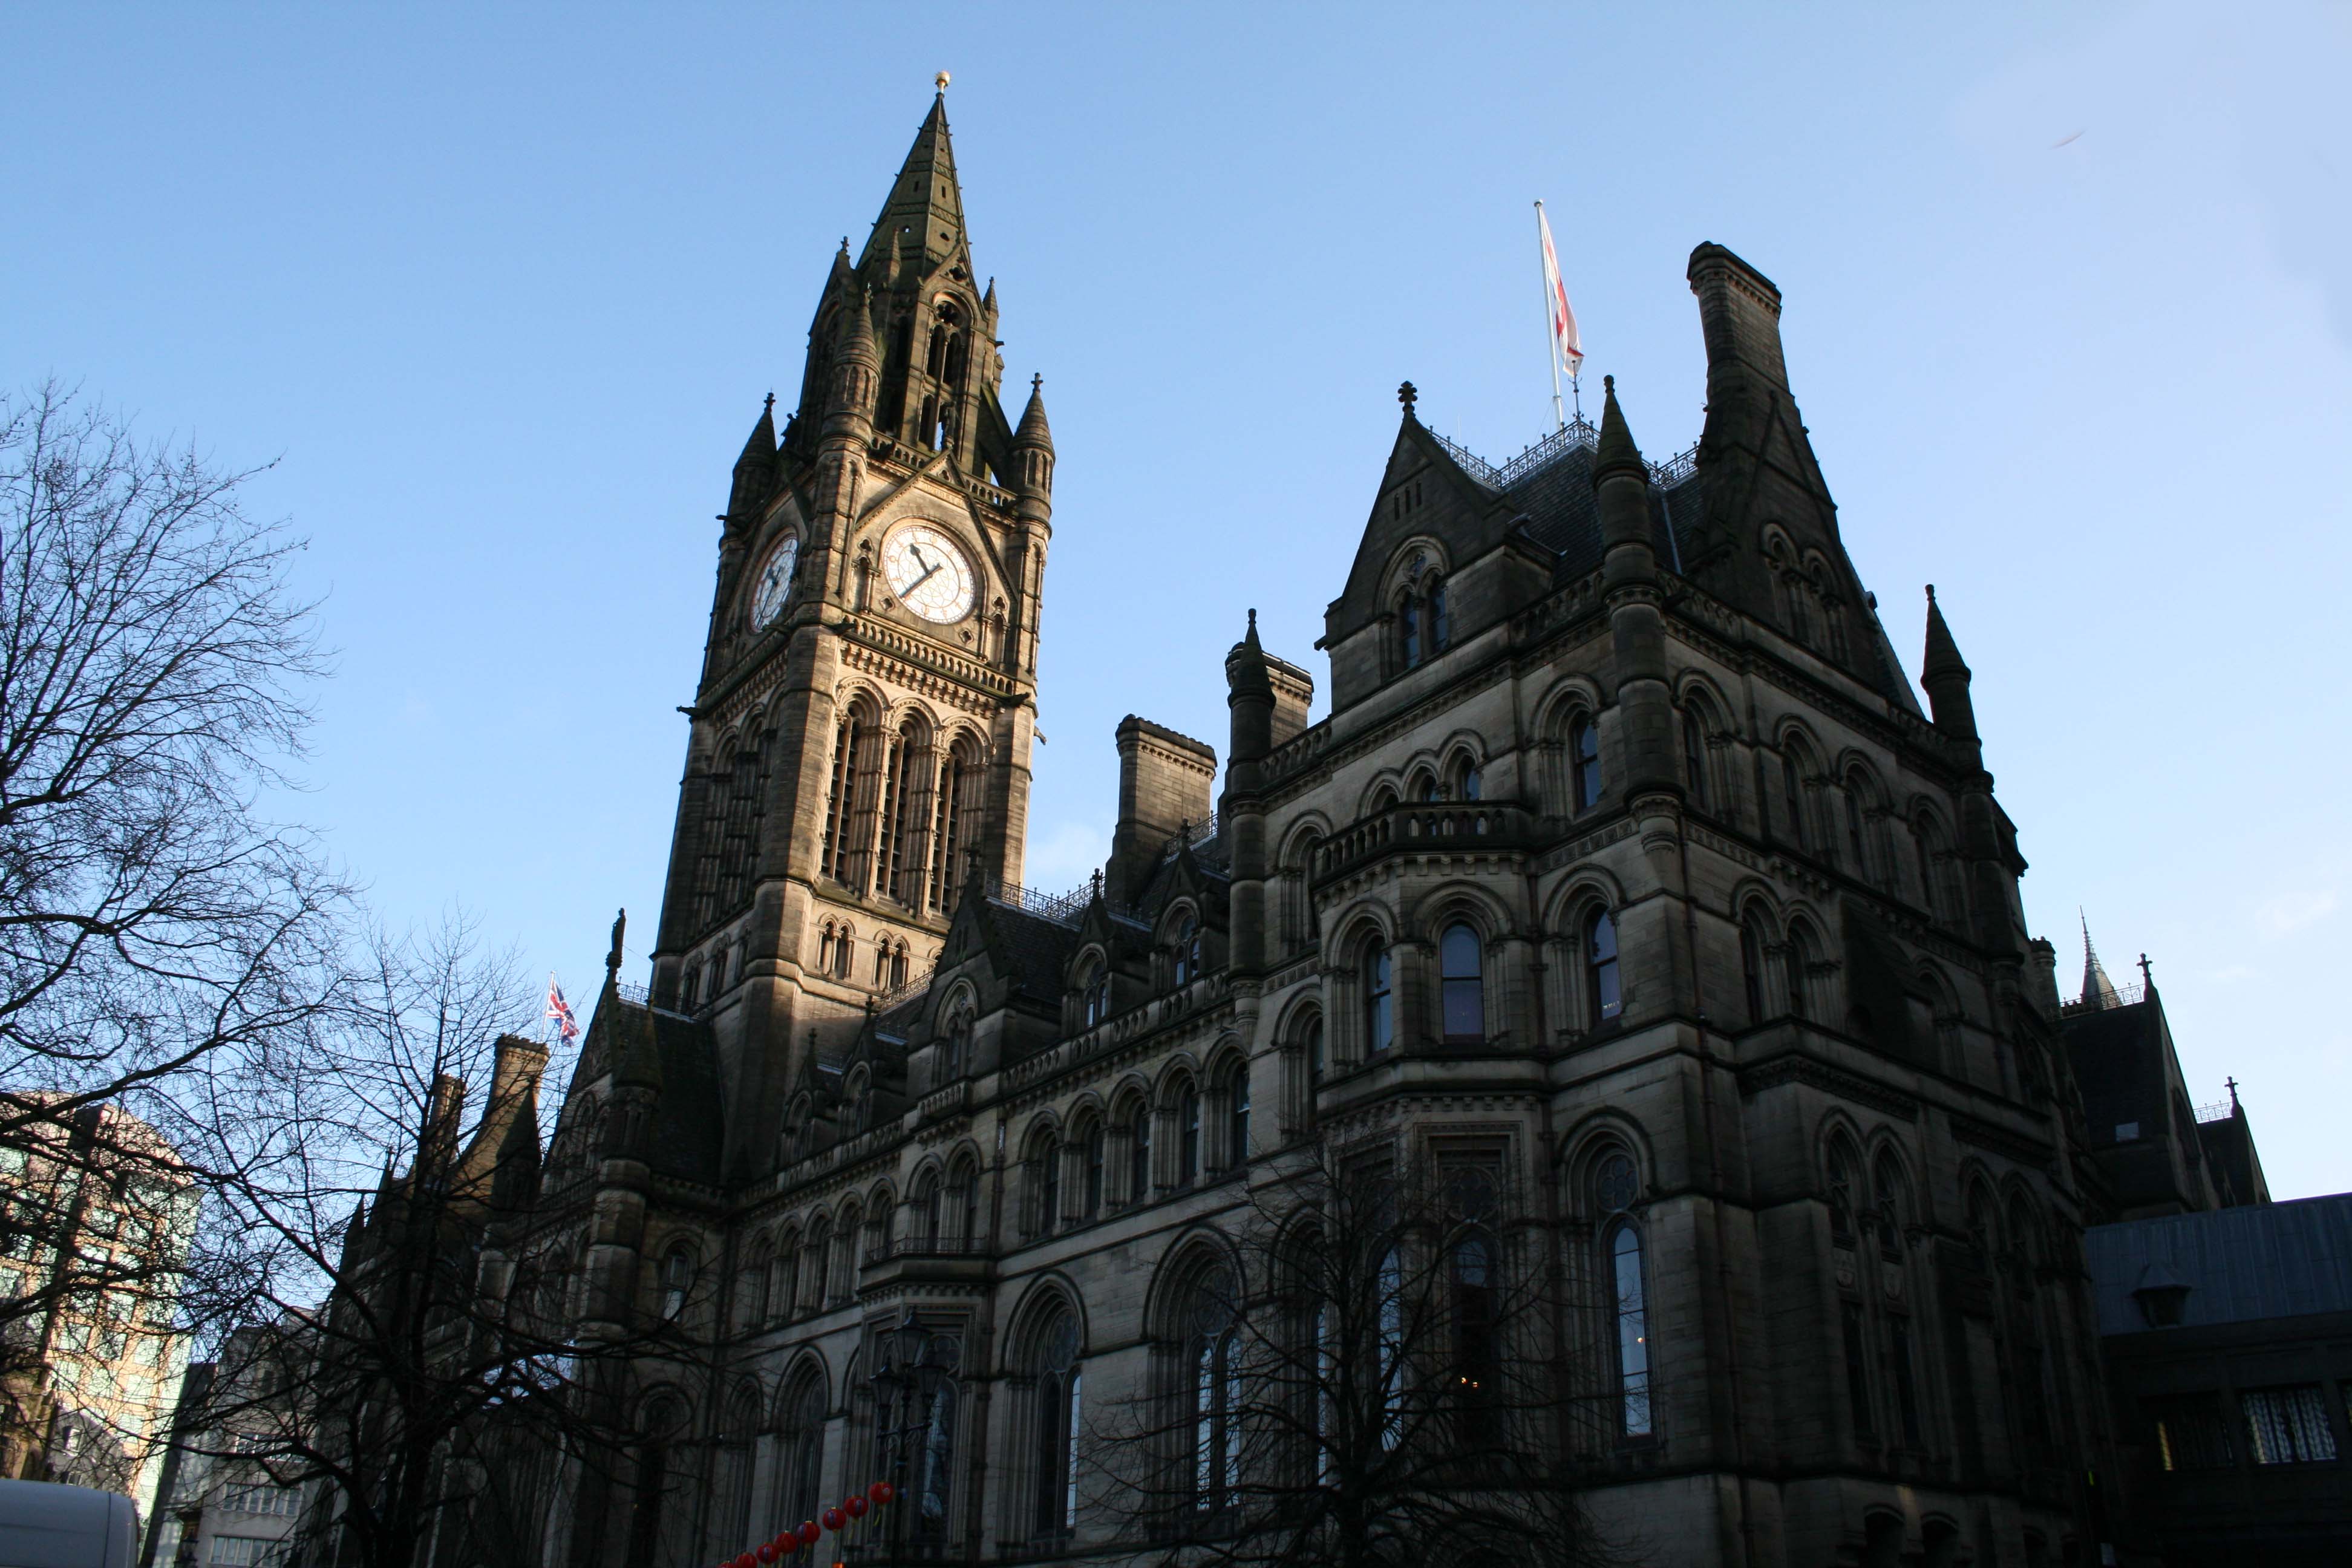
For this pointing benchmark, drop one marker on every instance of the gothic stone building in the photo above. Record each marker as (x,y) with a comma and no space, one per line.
(1625,860)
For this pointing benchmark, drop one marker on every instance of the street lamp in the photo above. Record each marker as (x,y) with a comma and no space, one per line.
(914,1362)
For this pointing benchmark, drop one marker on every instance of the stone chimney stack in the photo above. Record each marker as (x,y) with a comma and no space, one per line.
(1163,784)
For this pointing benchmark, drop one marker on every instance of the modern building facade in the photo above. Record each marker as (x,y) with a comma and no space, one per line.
(1626,869)
(2229,1355)
(95,1222)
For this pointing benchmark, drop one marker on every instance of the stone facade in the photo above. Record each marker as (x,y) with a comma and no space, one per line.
(1626,841)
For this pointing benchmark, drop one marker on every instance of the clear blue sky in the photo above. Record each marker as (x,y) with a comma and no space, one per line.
(2068,312)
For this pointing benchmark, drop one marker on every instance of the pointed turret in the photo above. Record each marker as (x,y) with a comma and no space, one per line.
(754,469)
(857,367)
(1629,577)
(1616,452)
(2099,991)
(1946,676)
(925,210)
(1249,697)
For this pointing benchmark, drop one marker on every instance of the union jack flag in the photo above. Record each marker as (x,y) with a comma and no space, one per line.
(567,1027)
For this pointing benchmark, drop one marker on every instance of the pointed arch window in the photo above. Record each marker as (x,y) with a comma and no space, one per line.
(1752,969)
(1379,1022)
(1048,1169)
(1605,1000)
(1056,1422)
(1441,624)
(1408,630)
(1187,1136)
(1237,1116)
(964,1187)
(1797,961)
(1462,985)
(1793,791)
(1216,1398)
(1476,1369)
(1584,762)
(1138,1155)
(803,1448)
(956,1054)
(1094,994)
(1095,1152)
(1855,847)
(1694,755)
(1185,940)
(678,1278)
(1615,1187)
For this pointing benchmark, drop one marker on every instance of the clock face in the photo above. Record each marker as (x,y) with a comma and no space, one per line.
(775,582)
(927,573)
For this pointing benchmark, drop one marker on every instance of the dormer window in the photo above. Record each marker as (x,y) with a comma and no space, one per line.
(1094,994)
(1185,943)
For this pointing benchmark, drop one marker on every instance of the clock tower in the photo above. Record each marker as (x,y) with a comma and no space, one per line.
(860,736)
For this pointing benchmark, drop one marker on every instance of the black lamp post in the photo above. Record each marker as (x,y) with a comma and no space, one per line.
(913,1360)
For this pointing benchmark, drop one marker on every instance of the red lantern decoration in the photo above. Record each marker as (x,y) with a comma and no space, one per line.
(747,1561)
(854,1505)
(767,1552)
(882,1492)
(834,1519)
(809,1532)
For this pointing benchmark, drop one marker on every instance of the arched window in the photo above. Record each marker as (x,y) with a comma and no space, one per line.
(1604,1000)
(1893,1198)
(956,1054)
(820,1269)
(1216,1397)
(1185,940)
(825,950)
(842,954)
(1094,994)
(1440,625)
(804,1450)
(678,1278)
(861,1101)
(1188,1135)
(1237,1113)
(1796,964)
(1584,762)
(1694,755)
(1469,784)
(963,1188)
(1315,1062)
(1840,1194)
(930,1212)
(1476,1373)
(1408,630)
(1056,1424)
(1751,968)
(1424,789)
(1857,853)
(1379,1021)
(1138,1155)
(1615,1187)
(1793,791)
(656,1531)
(898,965)
(1095,1139)
(1461,985)
(1049,1166)
(784,1292)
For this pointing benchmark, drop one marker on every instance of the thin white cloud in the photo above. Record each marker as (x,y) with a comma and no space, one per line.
(2287,913)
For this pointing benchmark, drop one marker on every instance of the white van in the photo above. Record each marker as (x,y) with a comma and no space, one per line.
(43,1524)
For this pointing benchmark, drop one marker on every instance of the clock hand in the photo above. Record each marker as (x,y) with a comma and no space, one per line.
(908,590)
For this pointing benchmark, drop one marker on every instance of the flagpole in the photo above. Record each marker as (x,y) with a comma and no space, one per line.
(1551,348)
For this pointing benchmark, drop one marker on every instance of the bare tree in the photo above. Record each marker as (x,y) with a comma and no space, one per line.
(410,1357)
(1379,1369)
(154,922)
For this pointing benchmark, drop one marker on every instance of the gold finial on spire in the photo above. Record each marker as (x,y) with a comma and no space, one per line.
(940,81)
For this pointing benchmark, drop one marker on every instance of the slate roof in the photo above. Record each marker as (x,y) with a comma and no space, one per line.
(2265,1260)
(1039,949)
(678,1056)
(1563,516)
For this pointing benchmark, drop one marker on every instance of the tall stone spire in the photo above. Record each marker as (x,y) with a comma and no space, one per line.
(1946,676)
(925,210)
(2099,991)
